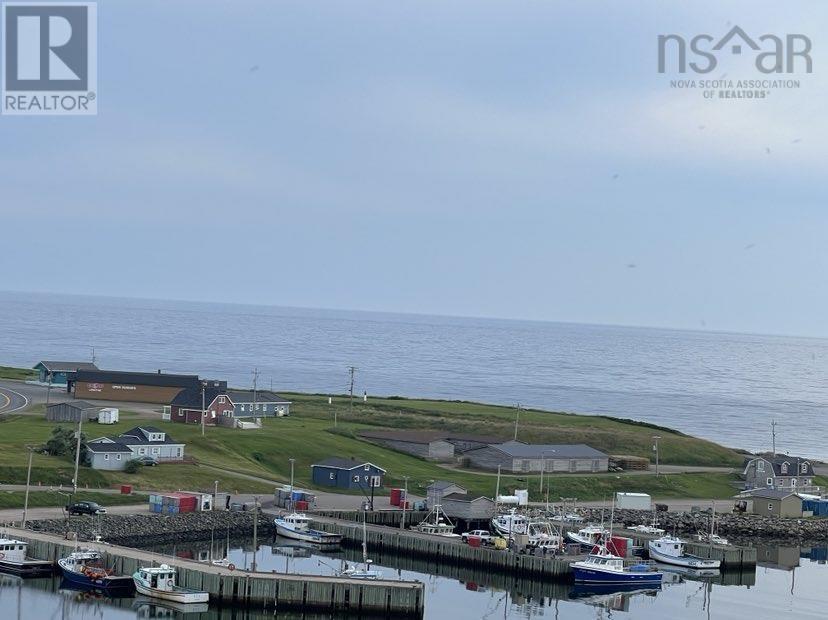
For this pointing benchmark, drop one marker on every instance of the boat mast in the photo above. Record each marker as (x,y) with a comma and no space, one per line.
(364,539)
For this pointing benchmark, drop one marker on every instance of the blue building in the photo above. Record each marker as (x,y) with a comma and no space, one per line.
(347,474)
(57,373)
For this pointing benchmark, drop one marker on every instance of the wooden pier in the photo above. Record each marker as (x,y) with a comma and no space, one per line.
(731,557)
(268,590)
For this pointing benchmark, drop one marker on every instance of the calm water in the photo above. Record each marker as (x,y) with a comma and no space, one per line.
(726,387)
(788,584)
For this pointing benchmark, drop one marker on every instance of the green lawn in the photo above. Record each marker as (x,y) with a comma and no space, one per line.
(308,436)
(40,499)
(10,372)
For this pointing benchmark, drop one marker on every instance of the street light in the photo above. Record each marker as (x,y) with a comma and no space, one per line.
(655,447)
(203,407)
(31,450)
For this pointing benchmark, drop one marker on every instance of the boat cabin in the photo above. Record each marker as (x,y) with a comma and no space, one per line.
(668,545)
(606,561)
(160,578)
(12,550)
(296,521)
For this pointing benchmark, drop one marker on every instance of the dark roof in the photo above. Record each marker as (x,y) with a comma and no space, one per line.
(136,437)
(439,485)
(426,436)
(794,465)
(460,497)
(75,404)
(137,378)
(190,398)
(262,396)
(336,462)
(100,447)
(521,450)
(771,494)
(65,366)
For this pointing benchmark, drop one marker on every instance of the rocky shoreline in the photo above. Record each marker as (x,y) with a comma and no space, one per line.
(140,530)
(737,526)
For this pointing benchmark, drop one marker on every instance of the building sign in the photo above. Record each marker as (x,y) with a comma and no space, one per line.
(124,387)
(94,387)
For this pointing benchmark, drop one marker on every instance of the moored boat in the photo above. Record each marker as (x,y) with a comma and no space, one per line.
(159,582)
(510,523)
(604,567)
(366,571)
(297,526)
(589,535)
(13,559)
(84,568)
(671,550)
(437,523)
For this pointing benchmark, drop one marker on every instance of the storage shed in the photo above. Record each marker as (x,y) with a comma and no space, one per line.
(776,503)
(72,411)
(462,506)
(347,474)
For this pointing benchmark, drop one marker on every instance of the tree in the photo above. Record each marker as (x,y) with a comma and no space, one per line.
(63,442)
(133,466)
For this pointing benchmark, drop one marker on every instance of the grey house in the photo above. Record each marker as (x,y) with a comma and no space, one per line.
(518,457)
(72,411)
(259,404)
(115,452)
(462,506)
(778,472)
(440,488)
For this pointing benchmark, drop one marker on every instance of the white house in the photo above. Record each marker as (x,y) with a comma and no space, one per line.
(114,452)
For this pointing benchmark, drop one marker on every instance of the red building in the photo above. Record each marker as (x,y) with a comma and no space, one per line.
(187,407)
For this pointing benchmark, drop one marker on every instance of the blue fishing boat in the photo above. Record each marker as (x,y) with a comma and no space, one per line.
(84,568)
(604,567)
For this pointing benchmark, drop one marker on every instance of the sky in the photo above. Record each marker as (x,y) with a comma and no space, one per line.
(515,160)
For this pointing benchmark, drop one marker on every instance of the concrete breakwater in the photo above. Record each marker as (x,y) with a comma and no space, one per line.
(741,526)
(152,529)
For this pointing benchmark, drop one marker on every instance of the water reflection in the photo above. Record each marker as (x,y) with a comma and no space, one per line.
(788,583)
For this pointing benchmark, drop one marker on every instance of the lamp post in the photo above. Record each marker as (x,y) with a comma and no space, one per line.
(203,407)
(655,447)
(28,481)
(405,501)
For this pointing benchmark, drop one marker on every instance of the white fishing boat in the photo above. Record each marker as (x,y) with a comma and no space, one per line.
(297,526)
(713,537)
(589,535)
(569,517)
(13,559)
(436,523)
(365,571)
(671,550)
(543,535)
(647,529)
(159,582)
(510,523)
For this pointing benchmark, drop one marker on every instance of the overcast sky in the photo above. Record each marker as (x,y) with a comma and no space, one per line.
(430,157)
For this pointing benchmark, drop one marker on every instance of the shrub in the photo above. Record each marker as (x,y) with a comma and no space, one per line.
(133,466)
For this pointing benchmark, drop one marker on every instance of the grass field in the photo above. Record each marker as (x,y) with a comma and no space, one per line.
(42,499)
(10,372)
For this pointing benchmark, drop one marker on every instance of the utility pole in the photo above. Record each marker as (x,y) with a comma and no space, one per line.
(28,481)
(203,408)
(497,488)
(49,388)
(255,529)
(405,501)
(517,419)
(93,353)
(655,447)
(255,385)
(352,371)
(77,455)
(291,483)
(773,436)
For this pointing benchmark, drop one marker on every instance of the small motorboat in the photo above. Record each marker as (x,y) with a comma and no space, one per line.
(437,523)
(671,550)
(604,567)
(13,560)
(297,526)
(589,535)
(159,582)
(569,517)
(647,529)
(84,568)
(510,523)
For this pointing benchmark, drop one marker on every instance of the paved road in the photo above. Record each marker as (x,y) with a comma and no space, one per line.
(12,399)
(10,515)
(29,395)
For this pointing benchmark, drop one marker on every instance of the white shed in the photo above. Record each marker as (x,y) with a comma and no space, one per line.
(108,415)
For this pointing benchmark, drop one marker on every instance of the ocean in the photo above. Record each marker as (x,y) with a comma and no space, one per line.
(726,387)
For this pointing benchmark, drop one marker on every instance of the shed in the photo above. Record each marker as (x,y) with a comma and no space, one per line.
(776,503)
(431,445)
(462,506)
(72,411)
(518,457)
(57,373)
(440,488)
(105,453)
(347,474)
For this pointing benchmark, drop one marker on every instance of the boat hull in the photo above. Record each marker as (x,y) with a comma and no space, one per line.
(27,568)
(174,596)
(121,583)
(592,575)
(311,536)
(685,561)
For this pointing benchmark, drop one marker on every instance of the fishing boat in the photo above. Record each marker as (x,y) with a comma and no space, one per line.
(366,571)
(13,559)
(652,528)
(543,535)
(713,537)
(84,568)
(159,582)
(297,526)
(569,517)
(671,550)
(589,535)
(437,523)
(604,567)
(510,523)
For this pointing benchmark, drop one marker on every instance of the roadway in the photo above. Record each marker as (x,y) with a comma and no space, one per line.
(13,398)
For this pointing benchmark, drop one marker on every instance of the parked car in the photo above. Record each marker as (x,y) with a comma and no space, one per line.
(483,535)
(85,508)
(146,460)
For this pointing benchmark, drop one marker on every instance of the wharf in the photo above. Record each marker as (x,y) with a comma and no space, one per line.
(233,588)
(730,556)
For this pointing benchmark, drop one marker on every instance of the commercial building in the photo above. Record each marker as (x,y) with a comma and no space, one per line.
(57,373)
(347,474)
(468,508)
(144,387)
(518,457)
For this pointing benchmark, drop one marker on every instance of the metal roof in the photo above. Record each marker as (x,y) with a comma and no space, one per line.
(100,447)
(439,485)
(75,404)
(262,396)
(336,462)
(52,366)
(536,451)
(771,493)
(155,379)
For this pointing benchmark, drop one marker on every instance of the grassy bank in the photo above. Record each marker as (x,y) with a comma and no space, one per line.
(10,372)
(44,499)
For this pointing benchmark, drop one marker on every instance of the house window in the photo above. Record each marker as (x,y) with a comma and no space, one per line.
(356,478)
(793,482)
(331,476)
(807,481)
(770,482)
(784,468)
(760,466)
(770,507)
(142,450)
(156,450)
(117,457)
(367,468)
(106,457)
(804,468)
(221,400)
(242,407)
